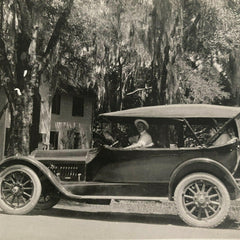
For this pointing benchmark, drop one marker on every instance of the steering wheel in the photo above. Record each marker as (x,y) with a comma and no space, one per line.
(115,143)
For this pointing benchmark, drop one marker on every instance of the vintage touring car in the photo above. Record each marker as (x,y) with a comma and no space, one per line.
(197,166)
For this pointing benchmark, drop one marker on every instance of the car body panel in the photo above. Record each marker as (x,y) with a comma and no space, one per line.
(106,190)
(151,165)
(36,166)
(117,172)
(204,165)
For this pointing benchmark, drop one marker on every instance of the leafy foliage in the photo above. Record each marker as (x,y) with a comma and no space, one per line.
(211,38)
(169,51)
(171,48)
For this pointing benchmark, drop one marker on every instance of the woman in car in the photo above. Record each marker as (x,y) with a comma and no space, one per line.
(144,139)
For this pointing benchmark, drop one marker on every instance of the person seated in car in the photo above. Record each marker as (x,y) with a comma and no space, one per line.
(144,138)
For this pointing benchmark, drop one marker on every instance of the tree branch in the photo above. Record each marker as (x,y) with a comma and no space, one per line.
(26,17)
(3,110)
(191,27)
(58,28)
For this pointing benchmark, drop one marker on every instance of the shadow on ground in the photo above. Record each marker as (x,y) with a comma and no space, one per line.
(113,216)
(161,219)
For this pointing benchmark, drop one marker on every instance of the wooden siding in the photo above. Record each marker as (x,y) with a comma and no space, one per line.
(65,121)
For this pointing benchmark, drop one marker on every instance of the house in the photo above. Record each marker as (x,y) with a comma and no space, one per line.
(71,121)
(70,124)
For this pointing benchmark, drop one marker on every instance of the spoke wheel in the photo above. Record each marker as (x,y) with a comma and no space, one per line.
(202,200)
(20,189)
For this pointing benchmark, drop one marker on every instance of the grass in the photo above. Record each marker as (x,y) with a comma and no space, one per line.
(144,207)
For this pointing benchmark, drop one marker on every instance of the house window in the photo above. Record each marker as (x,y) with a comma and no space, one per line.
(56,102)
(53,140)
(78,106)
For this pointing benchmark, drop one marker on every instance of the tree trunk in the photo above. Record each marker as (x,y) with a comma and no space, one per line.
(20,44)
(166,38)
(46,110)
(21,120)
(234,63)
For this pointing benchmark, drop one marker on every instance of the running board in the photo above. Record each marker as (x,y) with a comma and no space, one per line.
(136,198)
(72,196)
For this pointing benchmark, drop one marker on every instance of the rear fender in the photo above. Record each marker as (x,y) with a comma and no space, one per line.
(36,166)
(208,166)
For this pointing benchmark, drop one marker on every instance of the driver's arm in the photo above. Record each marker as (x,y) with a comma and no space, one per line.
(136,145)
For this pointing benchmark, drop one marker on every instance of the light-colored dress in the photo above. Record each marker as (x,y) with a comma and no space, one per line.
(145,140)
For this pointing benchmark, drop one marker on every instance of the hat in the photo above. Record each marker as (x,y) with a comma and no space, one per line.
(142,121)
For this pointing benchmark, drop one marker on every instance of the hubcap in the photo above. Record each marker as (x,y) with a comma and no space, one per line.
(202,199)
(17,189)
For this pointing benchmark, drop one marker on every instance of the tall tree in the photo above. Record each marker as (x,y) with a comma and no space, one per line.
(162,52)
(159,45)
(211,43)
(109,34)
(29,37)
(166,47)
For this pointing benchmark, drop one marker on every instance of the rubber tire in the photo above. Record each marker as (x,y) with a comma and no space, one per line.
(216,220)
(37,188)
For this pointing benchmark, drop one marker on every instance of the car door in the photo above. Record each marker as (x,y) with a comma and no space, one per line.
(139,172)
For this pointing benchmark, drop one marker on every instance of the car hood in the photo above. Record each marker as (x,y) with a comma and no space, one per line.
(65,155)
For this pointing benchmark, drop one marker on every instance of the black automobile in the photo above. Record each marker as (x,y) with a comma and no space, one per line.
(194,160)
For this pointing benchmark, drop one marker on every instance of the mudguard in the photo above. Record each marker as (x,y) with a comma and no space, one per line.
(208,166)
(36,166)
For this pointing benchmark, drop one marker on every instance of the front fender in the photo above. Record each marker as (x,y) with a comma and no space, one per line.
(208,166)
(36,166)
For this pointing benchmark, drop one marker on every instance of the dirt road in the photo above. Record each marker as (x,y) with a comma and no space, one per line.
(104,222)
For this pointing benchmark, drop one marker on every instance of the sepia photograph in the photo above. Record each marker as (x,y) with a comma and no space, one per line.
(119,119)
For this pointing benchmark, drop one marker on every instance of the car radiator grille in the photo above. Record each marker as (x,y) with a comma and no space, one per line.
(68,171)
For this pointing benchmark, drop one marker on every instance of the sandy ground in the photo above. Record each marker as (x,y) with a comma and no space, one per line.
(119,220)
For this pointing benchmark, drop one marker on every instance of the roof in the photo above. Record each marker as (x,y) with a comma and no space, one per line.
(177,111)
(74,89)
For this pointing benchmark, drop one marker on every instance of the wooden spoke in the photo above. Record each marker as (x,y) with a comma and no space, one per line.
(21,179)
(26,182)
(6,190)
(193,209)
(214,202)
(9,184)
(18,204)
(27,194)
(7,197)
(14,196)
(191,190)
(199,213)
(209,190)
(27,188)
(188,196)
(197,187)
(206,212)
(212,209)
(24,200)
(213,195)
(189,203)
(13,181)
